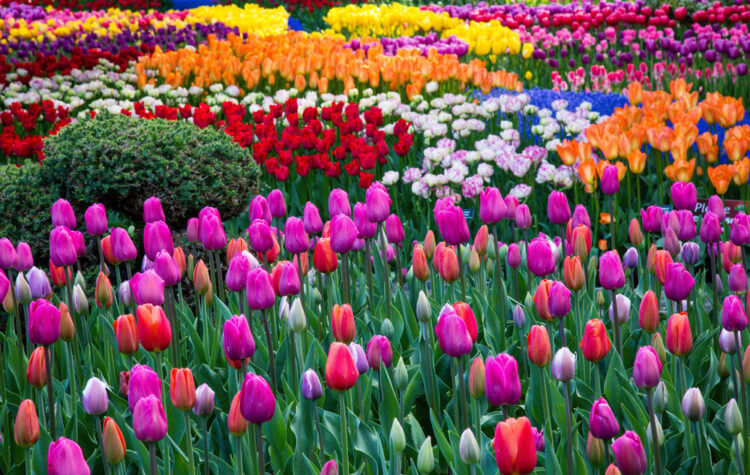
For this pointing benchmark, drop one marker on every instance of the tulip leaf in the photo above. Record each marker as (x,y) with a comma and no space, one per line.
(410,319)
(442,442)
(367,442)
(275,430)
(303,426)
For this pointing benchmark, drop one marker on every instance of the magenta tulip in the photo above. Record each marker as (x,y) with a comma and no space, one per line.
(212,234)
(260,293)
(149,419)
(260,236)
(295,237)
(602,421)
(580,216)
(379,350)
(311,219)
(647,368)
(24,260)
(238,339)
(276,203)
(289,283)
(651,219)
(378,203)
(737,279)
(611,274)
(44,322)
(677,282)
(259,209)
(157,237)
(63,214)
(257,402)
(451,222)
(7,254)
(122,246)
(684,195)
(710,228)
(610,180)
(492,208)
(733,316)
(147,287)
(558,300)
(343,233)
(502,385)
(65,457)
(739,231)
(539,258)
(239,268)
(167,268)
(62,247)
(452,335)
(558,210)
(338,203)
(96,219)
(366,229)
(192,233)
(511,204)
(143,382)
(153,211)
(523,217)
(394,231)
(629,454)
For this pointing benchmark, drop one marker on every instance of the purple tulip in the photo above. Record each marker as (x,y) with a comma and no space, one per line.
(452,335)
(24,260)
(289,283)
(559,300)
(338,203)
(260,293)
(580,216)
(260,236)
(677,282)
(259,209)
(611,275)
(716,206)
(212,234)
(62,247)
(558,210)
(7,254)
(502,385)
(96,219)
(379,351)
(311,219)
(44,322)
(143,382)
(63,214)
(366,229)
(122,246)
(295,237)
(514,256)
(147,287)
(157,237)
(149,419)
(539,257)
(377,203)
(684,195)
(204,401)
(451,223)
(737,279)
(239,268)
(647,368)
(38,283)
(523,217)
(237,339)
(610,180)
(276,203)
(167,268)
(394,231)
(651,219)
(511,204)
(360,358)
(257,402)
(629,454)
(733,316)
(739,231)
(311,387)
(710,228)
(94,397)
(153,211)
(602,421)
(343,233)
(64,457)
(492,208)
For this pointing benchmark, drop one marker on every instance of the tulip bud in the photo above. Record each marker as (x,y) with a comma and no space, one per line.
(634,233)
(647,367)
(36,371)
(67,327)
(330,468)
(659,434)
(103,291)
(468,448)
(424,310)
(125,295)
(658,344)
(9,303)
(297,319)
(538,345)
(564,365)
(23,291)
(722,368)
(745,366)
(595,450)
(400,375)
(201,278)
(397,436)
(425,457)
(693,406)
(600,300)
(26,426)
(182,388)
(113,442)
(80,302)
(126,332)
(519,317)
(573,273)
(661,397)
(727,342)
(284,309)
(386,329)
(476,378)
(311,387)
(648,312)
(94,398)
(204,401)
(733,417)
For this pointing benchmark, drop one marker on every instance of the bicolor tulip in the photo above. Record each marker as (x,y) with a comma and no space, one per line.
(452,335)
(419,263)
(26,425)
(360,358)
(679,336)
(154,330)
(648,312)
(573,273)
(541,299)
(647,368)
(324,258)
(311,388)
(595,343)
(204,401)
(114,447)
(341,372)
(236,423)
(477,378)
(147,288)
(467,315)
(94,397)
(126,332)
(563,366)
(342,323)
(103,291)
(36,370)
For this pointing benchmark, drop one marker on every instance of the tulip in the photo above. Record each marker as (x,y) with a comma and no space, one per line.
(338,203)
(152,210)
(377,202)
(36,371)
(149,419)
(602,421)
(523,217)
(236,423)
(342,323)
(629,454)
(212,234)
(285,279)
(467,315)
(658,344)
(260,236)
(733,316)
(141,381)
(710,228)
(7,254)
(39,285)
(394,231)
(62,247)
(452,224)
(559,300)
(343,233)
(630,260)
(452,335)
(147,288)
(739,231)
(468,448)
(62,214)
(204,401)
(295,237)
(595,450)
(260,293)
(324,258)
(103,291)
(276,203)
(647,368)
(514,256)
(727,342)
(502,384)
(648,312)
(65,457)
(623,309)
(237,339)
(311,219)
(123,248)
(425,457)
(595,343)
(259,209)
(379,351)
(424,310)
(737,279)
(634,233)
(538,345)
(611,275)
(419,264)
(79,304)
(157,237)
(341,373)
(538,439)
(732,417)
(476,378)
(44,323)
(558,210)
(492,208)
(671,242)
(539,259)
(610,180)
(678,282)
(429,244)
(515,451)
(126,332)
(651,218)
(239,268)
(182,388)
(684,195)
(541,299)
(449,266)
(96,219)
(690,253)
(154,330)
(67,328)
(679,336)
(94,397)
(113,442)
(693,406)
(26,425)
(311,387)
(330,468)
(360,359)
(22,290)
(563,365)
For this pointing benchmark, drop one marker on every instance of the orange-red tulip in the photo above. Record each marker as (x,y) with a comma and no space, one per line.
(182,388)
(342,323)
(515,452)
(679,336)
(595,342)
(126,332)
(154,330)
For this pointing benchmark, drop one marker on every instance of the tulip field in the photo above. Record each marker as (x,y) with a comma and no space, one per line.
(318,237)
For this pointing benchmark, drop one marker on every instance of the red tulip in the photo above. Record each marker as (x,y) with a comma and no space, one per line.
(342,323)
(182,388)
(595,342)
(153,328)
(679,336)
(36,371)
(341,373)
(515,452)
(538,345)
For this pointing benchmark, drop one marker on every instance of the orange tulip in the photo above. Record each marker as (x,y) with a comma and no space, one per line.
(182,388)
(679,336)
(419,263)
(662,259)
(26,426)
(448,267)
(680,170)
(587,171)
(234,247)
(573,273)
(154,330)
(541,300)
(36,371)
(126,333)
(635,93)
(324,259)
(708,146)
(741,171)
(568,151)
(660,137)
(342,323)
(637,161)
(236,423)
(67,327)
(678,87)
(736,148)
(721,177)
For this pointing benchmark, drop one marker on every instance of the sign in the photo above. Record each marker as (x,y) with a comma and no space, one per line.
(468,213)
(731,208)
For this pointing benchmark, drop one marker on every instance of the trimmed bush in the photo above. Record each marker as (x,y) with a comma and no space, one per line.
(121,161)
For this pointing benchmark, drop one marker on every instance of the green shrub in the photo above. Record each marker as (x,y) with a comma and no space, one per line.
(24,207)
(120,161)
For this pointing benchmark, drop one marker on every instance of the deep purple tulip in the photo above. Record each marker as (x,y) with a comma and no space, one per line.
(338,203)
(147,287)
(733,316)
(276,203)
(153,211)
(502,385)
(343,233)
(167,268)
(710,228)
(611,275)
(260,236)
(452,335)
(259,209)
(257,402)
(44,322)
(558,210)
(24,259)
(629,454)
(149,419)
(62,247)
(143,382)
(558,300)
(492,208)
(63,214)
(238,339)
(295,237)
(360,358)
(96,219)
(539,257)
(377,203)
(260,293)
(311,219)
(684,195)
(677,282)
(602,421)
(157,237)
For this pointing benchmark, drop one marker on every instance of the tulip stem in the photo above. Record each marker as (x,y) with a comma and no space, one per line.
(386,274)
(50,400)
(654,432)
(271,357)
(219,279)
(568,426)
(101,443)
(461,273)
(698,450)
(292,337)
(189,440)
(545,404)
(368,267)
(456,420)
(616,324)
(742,391)
(428,372)
(320,433)
(344,436)
(261,457)
(238,448)
(16,312)
(359,398)
(612,219)
(29,460)
(345,277)
(152,457)
(740,466)
(462,385)
(715,307)
(205,444)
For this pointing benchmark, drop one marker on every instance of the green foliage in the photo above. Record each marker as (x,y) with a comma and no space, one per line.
(121,161)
